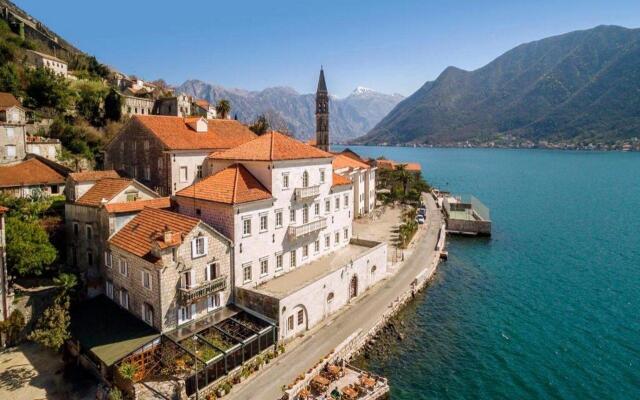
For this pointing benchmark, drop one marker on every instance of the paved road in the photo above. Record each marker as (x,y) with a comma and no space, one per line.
(362,314)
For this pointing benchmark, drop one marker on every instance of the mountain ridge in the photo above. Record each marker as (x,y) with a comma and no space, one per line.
(553,89)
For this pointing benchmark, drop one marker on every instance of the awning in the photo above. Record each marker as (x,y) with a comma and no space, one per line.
(108,331)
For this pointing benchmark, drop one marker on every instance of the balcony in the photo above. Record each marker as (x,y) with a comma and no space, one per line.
(298,231)
(307,192)
(205,289)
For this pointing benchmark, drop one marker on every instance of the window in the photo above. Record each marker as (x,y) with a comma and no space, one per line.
(264,266)
(199,171)
(246,227)
(337,207)
(278,262)
(305,214)
(146,279)
(124,298)
(89,232)
(305,179)
(322,176)
(108,258)
(147,172)
(174,254)
(246,272)
(109,289)
(346,233)
(199,247)
(263,222)
(285,181)
(327,206)
(300,317)
(10,133)
(124,267)
(290,322)
(327,241)
(330,297)
(316,246)
(278,218)
(146,142)
(186,313)
(337,238)
(305,251)
(292,215)
(346,200)
(89,258)
(211,271)
(160,164)
(184,176)
(76,229)
(316,208)
(292,261)
(213,301)
(147,313)
(132,195)
(187,279)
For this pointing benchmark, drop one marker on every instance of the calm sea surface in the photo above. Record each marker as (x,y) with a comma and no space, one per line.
(549,307)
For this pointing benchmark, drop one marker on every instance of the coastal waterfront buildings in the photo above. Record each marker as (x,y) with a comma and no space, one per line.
(168,153)
(363,177)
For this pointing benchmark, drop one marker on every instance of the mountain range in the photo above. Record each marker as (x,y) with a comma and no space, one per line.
(288,110)
(579,86)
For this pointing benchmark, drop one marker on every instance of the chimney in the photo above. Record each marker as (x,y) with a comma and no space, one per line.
(200,125)
(168,235)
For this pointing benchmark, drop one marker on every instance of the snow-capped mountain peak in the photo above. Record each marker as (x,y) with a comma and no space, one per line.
(362,90)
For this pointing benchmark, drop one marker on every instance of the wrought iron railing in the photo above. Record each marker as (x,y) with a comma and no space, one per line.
(188,295)
(296,231)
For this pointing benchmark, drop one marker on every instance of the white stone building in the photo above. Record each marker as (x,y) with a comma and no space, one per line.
(12,129)
(47,61)
(363,177)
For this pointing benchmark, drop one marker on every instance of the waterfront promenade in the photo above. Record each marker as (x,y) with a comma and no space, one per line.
(361,315)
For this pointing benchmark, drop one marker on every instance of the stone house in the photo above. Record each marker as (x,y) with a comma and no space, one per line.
(46,147)
(79,182)
(168,269)
(362,175)
(179,106)
(33,176)
(168,153)
(203,109)
(42,60)
(135,105)
(105,207)
(12,129)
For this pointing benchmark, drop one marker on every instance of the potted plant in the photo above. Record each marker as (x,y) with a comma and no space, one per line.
(128,370)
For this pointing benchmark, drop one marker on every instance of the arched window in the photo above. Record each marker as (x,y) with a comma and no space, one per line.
(330,297)
(305,179)
(373,270)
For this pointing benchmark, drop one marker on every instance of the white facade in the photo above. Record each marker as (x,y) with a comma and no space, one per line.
(187,167)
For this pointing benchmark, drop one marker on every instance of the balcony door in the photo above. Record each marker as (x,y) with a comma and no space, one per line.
(211,271)
(305,214)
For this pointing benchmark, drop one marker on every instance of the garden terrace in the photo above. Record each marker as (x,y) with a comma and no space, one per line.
(201,349)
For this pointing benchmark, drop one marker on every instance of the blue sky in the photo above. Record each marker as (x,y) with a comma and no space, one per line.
(390,46)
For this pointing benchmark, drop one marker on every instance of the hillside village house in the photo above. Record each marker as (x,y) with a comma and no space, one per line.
(168,269)
(204,109)
(102,209)
(12,129)
(179,106)
(34,176)
(48,148)
(284,208)
(168,153)
(79,182)
(42,60)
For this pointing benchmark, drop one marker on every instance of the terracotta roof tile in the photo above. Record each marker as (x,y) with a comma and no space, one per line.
(147,229)
(390,164)
(28,173)
(272,146)
(138,205)
(3,210)
(342,161)
(8,100)
(175,133)
(339,180)
(85,176)
(106,188)
(202,103)
(232,185)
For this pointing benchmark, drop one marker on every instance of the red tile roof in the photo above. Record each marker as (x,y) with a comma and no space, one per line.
(8,100)
(272,146)
(85,176)
(390,164)
(175,133)
(202,103)
(138,205)
(232,185)
(29,173)
(106,188)
(342,161)
(339,180)
(147,229)
(3,210)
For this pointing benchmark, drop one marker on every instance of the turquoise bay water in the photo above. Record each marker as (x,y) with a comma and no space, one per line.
(549,307)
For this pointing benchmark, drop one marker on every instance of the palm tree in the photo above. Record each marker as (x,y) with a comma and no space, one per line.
(66,283)
(222,108)
(404,176)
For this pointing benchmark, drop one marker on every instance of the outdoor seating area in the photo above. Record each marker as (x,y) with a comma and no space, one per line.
(344,382)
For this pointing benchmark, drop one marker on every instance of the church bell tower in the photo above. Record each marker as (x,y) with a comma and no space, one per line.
(322,114)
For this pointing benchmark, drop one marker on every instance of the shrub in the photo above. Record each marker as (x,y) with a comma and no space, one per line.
(12,327)
(128,370)
(53,326)
(115,394)
(29,251)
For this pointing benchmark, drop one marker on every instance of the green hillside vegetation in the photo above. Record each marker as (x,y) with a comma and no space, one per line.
(81,118)
(580,86)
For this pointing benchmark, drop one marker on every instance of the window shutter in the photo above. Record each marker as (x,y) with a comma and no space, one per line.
(193,310)
(194,250)
(206,245)
(193,277)
(207,272)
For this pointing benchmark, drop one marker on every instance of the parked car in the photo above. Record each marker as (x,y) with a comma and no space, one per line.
(420,219)
(422,211)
